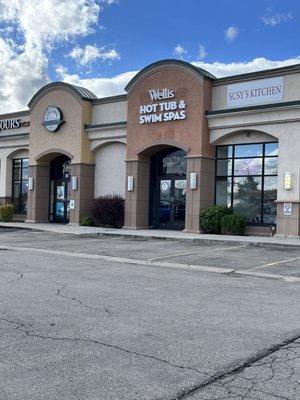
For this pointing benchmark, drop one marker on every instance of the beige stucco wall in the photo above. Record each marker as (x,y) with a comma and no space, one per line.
(110,112)
(71,138)
(291,90)
(110,169)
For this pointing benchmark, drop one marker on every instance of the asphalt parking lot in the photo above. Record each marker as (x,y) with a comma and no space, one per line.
(114,318)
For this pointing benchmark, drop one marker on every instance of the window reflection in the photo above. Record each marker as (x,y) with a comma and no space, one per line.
(248,150)
(174,163)
(250,187)
(20,185)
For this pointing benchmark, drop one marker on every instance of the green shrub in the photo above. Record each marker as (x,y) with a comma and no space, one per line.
(87,220)
(233,225)
(6,212)
(108,211)
(210,218)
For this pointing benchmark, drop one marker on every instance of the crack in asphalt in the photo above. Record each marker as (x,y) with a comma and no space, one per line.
(21,327)
(80,302)
(220,381)
(225,381)
(21,274)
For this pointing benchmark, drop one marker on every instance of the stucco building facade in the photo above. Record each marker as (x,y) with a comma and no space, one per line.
(179,140)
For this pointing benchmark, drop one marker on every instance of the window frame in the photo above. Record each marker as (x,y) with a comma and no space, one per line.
(20,182)
(232,176)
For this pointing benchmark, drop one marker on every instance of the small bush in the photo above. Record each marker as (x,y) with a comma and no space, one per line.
(210,218)
(6,212)
(108,211)
(87,220)
(233,225)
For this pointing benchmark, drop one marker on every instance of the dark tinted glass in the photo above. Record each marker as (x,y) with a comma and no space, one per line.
(224,167)
(223,192)
(224,152)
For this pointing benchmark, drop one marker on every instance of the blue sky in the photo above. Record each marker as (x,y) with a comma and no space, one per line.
(101,44)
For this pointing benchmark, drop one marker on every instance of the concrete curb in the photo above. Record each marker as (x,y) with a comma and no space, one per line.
(151,235)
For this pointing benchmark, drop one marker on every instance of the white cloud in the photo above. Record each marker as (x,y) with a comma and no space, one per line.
(102,87)
(220,69)
(109,2)
(180,51)
(231,33)
(202,53)
(275,19)
(45,21)
(90,53)
(29,30)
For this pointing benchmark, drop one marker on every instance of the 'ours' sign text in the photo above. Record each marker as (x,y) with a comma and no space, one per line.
(162,111)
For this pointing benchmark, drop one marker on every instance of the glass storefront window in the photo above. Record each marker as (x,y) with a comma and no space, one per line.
(270,195)
(223,192)
(20,185)
(271,166)
(247,198)
(224,151)
(248,166)
(248,150)
(174,163)
(271,149)
(224,167)
(246,179)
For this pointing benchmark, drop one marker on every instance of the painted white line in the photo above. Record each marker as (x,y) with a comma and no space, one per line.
(203,251)
(272,264)
(138,262)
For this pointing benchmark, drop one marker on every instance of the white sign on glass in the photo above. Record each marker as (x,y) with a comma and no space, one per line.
(165,185)
(260,91)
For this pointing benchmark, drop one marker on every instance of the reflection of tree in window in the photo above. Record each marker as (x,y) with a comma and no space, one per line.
(20,185)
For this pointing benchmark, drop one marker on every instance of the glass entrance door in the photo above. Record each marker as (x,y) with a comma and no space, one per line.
(59,210)
(171,203)
(167,189)
(61,201)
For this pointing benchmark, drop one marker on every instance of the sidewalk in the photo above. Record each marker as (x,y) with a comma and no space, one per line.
(148,234)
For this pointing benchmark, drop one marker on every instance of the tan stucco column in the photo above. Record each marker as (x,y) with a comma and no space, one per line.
(38,198)
(288,225)
(84,194)
(203,195)
(137,201)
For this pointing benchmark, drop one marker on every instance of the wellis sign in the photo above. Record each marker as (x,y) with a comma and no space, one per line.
(162,111)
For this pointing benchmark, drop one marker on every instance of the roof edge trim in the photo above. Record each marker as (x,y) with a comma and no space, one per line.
(80,92)
(200,71)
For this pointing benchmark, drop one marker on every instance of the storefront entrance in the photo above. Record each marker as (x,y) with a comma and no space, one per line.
(168,189)
(59,190)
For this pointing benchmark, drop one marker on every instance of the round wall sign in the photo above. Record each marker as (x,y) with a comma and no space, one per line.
(53,119)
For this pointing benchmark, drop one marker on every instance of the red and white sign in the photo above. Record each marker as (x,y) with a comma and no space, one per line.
(249,93)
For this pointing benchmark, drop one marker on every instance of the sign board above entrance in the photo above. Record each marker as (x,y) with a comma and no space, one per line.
(162,111)
(13,123)
(250,93)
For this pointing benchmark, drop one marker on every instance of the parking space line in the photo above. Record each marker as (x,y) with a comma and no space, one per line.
(186,253)
(145,263)
(272,264)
